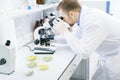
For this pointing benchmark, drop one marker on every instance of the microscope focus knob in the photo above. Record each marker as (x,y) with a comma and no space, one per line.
(2,61)
(36,42)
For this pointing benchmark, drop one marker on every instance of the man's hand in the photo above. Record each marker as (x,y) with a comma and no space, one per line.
(60,26)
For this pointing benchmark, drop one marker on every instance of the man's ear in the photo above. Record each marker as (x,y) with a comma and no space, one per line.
(72,14)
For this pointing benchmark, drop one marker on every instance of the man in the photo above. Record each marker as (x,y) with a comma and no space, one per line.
(91,31)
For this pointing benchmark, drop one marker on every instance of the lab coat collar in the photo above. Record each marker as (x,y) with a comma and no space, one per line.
(83,13)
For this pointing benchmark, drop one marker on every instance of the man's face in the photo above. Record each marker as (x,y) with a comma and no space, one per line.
(68,17)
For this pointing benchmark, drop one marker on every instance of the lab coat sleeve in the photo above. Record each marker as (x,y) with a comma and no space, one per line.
(92,37)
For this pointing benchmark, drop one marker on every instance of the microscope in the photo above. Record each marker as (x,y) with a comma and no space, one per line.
(43,35)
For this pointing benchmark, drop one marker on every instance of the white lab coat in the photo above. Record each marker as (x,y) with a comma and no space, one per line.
(98,32)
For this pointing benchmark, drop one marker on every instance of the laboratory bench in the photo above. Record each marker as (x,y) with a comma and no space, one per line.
(63,64)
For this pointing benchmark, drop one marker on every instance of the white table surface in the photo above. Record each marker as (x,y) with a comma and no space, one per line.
(60,61)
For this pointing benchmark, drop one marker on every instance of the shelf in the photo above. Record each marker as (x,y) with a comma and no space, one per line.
(23,12)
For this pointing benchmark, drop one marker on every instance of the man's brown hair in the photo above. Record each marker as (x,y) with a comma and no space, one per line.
(69,5)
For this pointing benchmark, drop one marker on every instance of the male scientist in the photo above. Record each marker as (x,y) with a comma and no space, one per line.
(91,30)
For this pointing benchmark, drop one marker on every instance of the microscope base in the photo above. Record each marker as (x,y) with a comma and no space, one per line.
(39,50)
